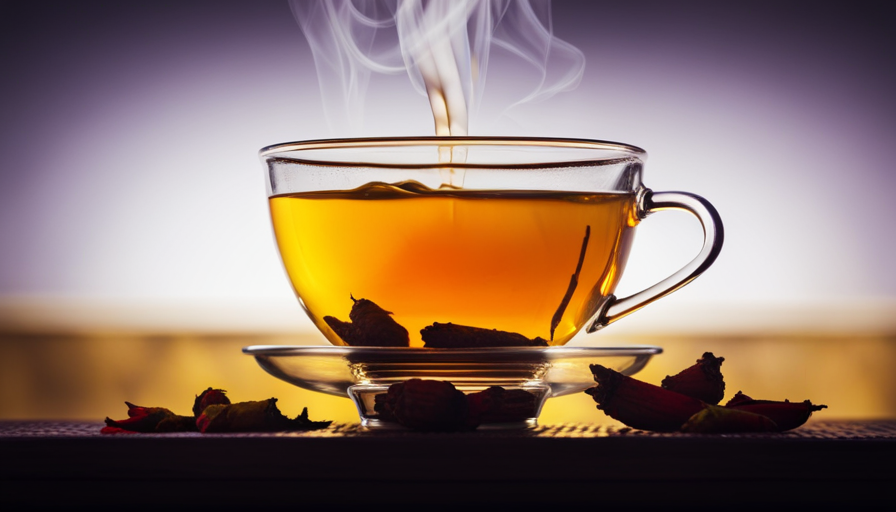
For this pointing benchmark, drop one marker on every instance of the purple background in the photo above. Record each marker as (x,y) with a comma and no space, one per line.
(128,168)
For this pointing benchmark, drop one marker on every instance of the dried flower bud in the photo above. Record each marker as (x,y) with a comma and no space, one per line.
(722,420)
(384,403)
(301,422)
(430,405)
(639,404)
(787,415)
(148,420)
(740,397)
(209,397)
(259,416)
(702,381)
(499,405)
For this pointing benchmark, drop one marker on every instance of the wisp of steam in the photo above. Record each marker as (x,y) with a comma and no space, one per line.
(442,45)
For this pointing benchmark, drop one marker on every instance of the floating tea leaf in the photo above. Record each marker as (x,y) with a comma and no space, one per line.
(462,336)
(370,326)
(573,283)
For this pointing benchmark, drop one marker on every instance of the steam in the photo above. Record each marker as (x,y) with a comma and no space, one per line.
(442,45)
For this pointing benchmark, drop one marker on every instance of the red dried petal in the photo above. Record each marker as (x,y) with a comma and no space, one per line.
(499,405)
(787,415)
(151,419)
(723,420)
(702,381)
(738,398)
(209,397)
(116,430)
(639,404)
(141,419)
(429,405)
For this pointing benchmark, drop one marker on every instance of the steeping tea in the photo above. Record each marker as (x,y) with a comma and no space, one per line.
(492,259)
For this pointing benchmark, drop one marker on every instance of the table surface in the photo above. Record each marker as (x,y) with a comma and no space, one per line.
(824,464)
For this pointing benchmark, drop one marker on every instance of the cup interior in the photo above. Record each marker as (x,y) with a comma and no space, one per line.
(522,236)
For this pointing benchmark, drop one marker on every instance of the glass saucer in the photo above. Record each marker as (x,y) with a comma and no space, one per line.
(361,373)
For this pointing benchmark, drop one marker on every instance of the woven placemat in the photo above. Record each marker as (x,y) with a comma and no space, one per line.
(858,430)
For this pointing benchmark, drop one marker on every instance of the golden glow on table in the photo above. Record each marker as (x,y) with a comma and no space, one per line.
(90,377)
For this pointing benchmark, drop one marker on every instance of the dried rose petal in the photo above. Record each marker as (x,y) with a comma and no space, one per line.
(258,416)
(149,420)
(722,420)
(430,405)
(702,381)
(639,404)
(209,397)
(787,415)
(499,405)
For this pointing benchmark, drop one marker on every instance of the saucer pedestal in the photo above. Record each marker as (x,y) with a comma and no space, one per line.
(364,397)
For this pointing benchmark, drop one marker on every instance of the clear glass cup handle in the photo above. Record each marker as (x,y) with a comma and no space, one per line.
(615,308)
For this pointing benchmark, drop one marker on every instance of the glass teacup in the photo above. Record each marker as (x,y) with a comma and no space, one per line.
(526,237)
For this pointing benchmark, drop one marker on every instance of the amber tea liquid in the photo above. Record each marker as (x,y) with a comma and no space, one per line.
(498,260)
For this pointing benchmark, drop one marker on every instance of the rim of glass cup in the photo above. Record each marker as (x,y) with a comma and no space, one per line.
(613,151)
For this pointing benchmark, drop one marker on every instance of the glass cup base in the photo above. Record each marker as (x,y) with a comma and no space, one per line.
(364,397)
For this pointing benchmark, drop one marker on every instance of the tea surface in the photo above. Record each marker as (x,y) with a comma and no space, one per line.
(497,260)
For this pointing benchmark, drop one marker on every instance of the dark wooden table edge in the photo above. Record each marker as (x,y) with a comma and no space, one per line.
(627,472)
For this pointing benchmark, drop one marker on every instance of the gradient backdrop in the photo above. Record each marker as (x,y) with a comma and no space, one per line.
(132,200)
